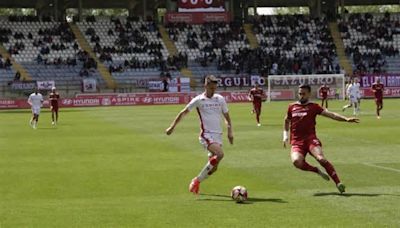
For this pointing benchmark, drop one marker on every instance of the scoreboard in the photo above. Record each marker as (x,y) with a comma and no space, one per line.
(186,6)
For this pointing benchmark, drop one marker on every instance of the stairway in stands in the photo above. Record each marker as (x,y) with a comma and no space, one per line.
(248,28)
(15,65)
(344,60)
(104,72)
(169,44)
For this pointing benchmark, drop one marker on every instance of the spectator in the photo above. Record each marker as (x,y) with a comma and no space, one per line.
(17,76)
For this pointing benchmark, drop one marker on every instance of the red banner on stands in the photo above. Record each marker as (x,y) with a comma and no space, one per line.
(388,92)
(197,18)
(388,80)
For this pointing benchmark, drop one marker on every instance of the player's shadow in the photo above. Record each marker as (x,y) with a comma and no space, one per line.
(250,200)
(47,128)
(352,194)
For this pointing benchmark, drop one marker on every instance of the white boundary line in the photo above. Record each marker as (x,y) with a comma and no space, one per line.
(382,167)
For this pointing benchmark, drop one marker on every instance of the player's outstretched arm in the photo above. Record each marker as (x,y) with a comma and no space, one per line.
(229,127)
(286,131)
(339,117)
(177,119)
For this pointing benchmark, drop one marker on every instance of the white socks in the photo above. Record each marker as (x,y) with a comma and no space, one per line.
(204,172)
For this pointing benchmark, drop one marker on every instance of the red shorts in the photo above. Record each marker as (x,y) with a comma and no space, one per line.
(324,97)
(54,108)
(305,146)
(379,101)
(257,105)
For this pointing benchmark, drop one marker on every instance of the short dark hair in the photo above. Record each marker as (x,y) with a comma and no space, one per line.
(210,79)
(305,86)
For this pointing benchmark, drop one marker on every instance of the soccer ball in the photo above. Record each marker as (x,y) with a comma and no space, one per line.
(239,194)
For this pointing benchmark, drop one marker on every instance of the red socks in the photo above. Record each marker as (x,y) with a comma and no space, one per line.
(331,171)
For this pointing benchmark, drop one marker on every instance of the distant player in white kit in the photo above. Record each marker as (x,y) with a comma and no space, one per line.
(210,107)
(35,100)
(354,95)
(358,93)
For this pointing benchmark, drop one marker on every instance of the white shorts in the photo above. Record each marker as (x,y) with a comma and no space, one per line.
(353,99)
(206,139)
(35,110)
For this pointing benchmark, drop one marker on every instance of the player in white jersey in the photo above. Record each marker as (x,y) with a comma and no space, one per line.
(353,93)
(210,107)
(35,100)
(357,93)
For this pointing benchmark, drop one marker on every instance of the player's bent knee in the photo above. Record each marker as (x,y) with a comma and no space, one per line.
(298,163)
(322,160)
(220,155)
(214,160)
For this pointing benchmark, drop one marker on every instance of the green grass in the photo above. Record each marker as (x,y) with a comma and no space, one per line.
(114,167)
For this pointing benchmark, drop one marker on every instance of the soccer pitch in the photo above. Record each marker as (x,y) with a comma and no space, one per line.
(115,167)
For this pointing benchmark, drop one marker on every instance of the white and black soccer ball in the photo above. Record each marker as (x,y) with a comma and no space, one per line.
(239,194)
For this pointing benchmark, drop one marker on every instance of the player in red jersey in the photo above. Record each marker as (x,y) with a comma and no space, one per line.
(301,118)
(54,97)
(323,92)
(257,96)
(377,88)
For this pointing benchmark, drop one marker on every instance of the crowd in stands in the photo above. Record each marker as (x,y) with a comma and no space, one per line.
(5,64)
(16,48)
(28,18)
(290,44)
(214,34)
(369,39)
(4,34)
(275,63)
(207,43)
(130,38)
(57,38)
(173,63)
(294,44)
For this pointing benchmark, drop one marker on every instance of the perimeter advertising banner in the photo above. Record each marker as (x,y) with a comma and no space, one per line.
(129,99)
(300,79)
(197,18)
(186,6)
(23,86)
(89,85)
(391,82)
(240,80)
(174,85)
(388,80)
(387,92)
(46,85)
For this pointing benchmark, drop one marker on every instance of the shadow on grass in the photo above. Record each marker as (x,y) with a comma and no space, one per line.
(352,194)
(47,128)
(250,200)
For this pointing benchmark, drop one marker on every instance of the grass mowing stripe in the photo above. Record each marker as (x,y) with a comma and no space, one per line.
(382,167)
